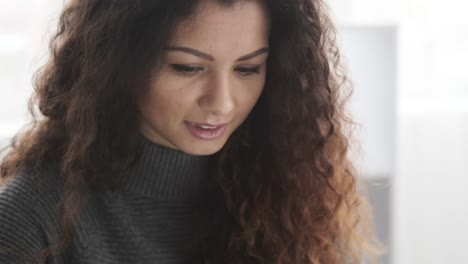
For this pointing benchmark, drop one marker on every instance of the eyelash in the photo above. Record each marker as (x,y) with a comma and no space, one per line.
(190,70)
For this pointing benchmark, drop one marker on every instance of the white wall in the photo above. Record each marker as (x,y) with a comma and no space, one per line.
(370,53)
(430,200)
(25,27)
(429,212)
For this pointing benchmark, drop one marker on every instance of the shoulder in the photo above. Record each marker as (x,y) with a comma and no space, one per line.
(28,213)
(38,191)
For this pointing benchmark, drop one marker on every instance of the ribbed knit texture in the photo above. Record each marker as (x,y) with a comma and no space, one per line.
(147,220)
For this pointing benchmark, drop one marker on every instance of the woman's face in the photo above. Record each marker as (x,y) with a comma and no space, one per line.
(213,72)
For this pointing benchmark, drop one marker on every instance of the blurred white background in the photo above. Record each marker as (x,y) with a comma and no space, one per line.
(25,26)
(407,60)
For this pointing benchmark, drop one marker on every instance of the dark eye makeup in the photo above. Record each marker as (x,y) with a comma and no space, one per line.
(248,70)
(191,70)
(186,69)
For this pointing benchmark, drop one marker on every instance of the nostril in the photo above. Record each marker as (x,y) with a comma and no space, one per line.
(217,106)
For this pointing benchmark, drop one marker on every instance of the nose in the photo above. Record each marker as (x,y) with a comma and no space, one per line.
(218,97)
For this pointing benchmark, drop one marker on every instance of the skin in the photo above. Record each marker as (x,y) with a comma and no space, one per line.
(207,76)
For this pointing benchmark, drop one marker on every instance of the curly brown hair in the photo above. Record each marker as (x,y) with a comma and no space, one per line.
(290,188)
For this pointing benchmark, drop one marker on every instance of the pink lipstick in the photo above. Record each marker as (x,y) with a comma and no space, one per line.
(205,131)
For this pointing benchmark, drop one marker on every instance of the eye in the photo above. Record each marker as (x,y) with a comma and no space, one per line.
(186,69)
(248,70)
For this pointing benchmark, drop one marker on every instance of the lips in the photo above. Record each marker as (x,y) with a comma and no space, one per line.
(209,125)
(206,131)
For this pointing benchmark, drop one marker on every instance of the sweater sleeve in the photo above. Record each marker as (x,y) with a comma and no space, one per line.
(21,232)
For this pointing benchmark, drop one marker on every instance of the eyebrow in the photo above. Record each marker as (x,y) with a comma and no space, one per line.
(211,58)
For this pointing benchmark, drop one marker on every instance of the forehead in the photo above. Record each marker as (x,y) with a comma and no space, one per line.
(244,24)
(211,11)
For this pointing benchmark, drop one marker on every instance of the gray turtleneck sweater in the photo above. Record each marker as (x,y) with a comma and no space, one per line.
(147,220)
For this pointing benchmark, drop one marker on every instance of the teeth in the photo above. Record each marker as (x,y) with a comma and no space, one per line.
(206,127)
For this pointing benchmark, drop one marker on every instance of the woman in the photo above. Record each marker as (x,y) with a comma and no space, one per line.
(186,132)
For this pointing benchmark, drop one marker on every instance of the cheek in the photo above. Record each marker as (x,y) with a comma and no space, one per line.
(163,103)
(251,94)
(157,107)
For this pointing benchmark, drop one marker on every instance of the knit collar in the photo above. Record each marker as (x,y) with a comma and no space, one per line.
(166,173)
